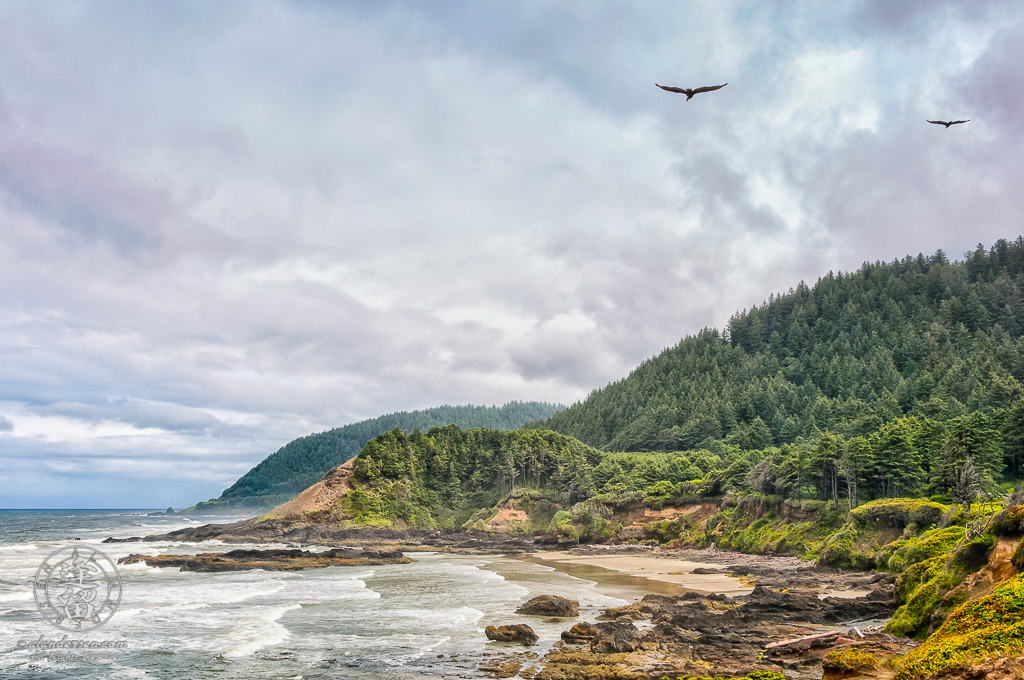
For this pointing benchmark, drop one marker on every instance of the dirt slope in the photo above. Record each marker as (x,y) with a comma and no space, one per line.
(321,496)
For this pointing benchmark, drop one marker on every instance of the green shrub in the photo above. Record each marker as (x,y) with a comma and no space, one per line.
(844,660)
(1009,522)
(897,513)
(664,531)
(923,586)
(934,543)
(990,626)
(838,551)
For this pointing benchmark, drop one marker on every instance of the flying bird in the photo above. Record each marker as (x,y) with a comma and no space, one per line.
(689,93)
(947,123)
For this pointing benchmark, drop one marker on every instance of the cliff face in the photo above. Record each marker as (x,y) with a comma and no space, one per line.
(322,496)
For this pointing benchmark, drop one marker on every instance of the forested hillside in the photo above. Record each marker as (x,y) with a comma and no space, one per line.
(302,462)
(444,476)
(918,337)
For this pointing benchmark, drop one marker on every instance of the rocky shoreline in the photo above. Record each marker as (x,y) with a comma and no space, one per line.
(768,631)
(796,616)
(271,560)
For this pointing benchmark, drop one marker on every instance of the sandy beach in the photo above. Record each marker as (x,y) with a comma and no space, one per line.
(677,572)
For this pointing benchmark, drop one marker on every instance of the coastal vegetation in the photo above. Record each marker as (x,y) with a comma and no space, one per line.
(872,421)
(890,351)
(983,628)
(302,462)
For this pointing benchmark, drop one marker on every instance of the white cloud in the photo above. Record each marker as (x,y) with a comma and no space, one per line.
(236,225)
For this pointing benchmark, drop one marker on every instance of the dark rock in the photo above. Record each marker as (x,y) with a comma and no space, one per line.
(271,560)
(705,570)
(615,638)
(550,605)
(628,614)
(579,634)
(514,633)
(882,593)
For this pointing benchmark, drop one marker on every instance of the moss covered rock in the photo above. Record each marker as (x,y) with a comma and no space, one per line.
(844,660)
(923,586)
(898,512)
(991,626)
(904,553)
(1009,522)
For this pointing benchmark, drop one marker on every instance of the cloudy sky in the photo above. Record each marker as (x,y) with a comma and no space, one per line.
(225,225)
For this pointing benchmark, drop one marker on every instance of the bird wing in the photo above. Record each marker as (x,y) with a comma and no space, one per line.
(672,89)
(955,122)
(710,88)
(937,122)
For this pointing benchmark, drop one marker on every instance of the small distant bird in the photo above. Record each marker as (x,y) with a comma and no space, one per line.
(947,123)
(689,93)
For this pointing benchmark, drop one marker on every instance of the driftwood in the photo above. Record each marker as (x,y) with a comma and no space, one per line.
(805,642)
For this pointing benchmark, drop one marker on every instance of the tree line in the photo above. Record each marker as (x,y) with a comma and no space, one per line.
(921,338)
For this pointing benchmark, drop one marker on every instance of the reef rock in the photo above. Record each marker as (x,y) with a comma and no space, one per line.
(550,605)
(514,633)
(615,638)
(271,560)
(579,634)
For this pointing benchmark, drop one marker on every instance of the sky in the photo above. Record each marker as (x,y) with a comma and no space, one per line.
(226,225)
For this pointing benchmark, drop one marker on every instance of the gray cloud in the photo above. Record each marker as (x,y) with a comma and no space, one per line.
(228,226)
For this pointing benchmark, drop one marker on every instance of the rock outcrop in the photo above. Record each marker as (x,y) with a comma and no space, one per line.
(550,605)
(693,633)
(270,560)
(579,634)
(615,638)
(515,633)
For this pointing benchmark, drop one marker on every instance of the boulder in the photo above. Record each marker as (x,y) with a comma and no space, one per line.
(615,638)
(550,605)
(579,634)
(514,633)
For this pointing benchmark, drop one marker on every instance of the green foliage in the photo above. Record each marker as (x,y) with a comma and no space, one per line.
(753,675)
(844,660)
(898,512)
(904,553)
(304,461)
(877,383)
(839,550)
(923,585)
(990,626)
(1009,522)
(463,474)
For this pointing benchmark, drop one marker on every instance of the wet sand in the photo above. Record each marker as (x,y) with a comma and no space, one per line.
(664,576)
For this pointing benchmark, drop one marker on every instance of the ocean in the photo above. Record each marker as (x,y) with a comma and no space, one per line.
(393,621)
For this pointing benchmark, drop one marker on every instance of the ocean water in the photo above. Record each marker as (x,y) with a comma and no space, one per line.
(388,621)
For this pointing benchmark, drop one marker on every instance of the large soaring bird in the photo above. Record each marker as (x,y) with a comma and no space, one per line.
(947,123)
(689,93)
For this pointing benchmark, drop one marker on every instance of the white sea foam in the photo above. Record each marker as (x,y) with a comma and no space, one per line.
(443,618)
(474,570)
(325,589)
(19,546)
(431,646)
(256,629)
(20,596)
(129,673)
(138,566)
(213,592)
